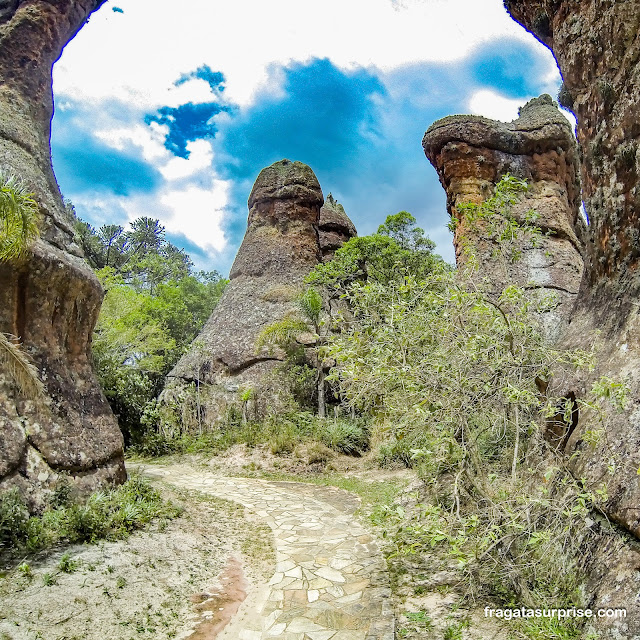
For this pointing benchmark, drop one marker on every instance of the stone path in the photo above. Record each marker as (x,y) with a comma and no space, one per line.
(330,581)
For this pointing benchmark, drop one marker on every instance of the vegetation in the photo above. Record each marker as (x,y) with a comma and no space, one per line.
(18,218)
(111,514)
(18,229)
(155,305)
(452,375)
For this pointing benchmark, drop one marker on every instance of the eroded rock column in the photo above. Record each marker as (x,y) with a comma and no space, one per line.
(471,154)
(279,250)
(335,228)
(51,301)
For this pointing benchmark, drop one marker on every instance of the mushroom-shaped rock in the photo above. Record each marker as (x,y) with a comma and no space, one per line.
(335,228)
(471,154)
(279,249)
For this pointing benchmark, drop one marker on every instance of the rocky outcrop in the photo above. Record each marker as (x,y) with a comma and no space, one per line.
(279,250)
(471,154)
(51,300)
(335,228)
(597,46)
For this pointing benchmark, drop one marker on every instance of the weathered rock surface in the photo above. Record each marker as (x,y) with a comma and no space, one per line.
(472,153)
(279,250)
(335,228)
(50,301)
(597,46)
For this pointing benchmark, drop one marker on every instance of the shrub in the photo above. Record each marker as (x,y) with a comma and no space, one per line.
(14,519)
(109,514)
(346,436)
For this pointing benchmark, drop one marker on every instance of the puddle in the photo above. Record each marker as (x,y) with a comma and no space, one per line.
(218,605)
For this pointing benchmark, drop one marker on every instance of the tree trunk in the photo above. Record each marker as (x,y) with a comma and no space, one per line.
(322,407)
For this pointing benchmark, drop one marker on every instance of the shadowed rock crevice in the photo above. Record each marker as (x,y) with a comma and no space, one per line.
(51,301)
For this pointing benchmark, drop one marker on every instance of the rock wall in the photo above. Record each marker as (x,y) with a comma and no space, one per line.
(280,247)
(471,154)
(51,301)
(597,47)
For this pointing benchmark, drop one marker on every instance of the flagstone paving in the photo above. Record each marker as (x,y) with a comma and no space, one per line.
(330,581)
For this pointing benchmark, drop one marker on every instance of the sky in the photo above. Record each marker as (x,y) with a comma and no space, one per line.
(172,113)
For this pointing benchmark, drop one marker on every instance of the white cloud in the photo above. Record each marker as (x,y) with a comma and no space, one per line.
(491,104)
(136,56)
(197,213)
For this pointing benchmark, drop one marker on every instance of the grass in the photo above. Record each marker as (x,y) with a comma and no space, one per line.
(106,515)
(372,494)
(280,433)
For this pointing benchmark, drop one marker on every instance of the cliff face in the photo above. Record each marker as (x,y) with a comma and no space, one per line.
(50,301)
(471,154)
(279,250)
(597,46)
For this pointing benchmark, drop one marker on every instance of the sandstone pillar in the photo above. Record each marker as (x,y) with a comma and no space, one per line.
(50,301)
(279,250)
(471,154)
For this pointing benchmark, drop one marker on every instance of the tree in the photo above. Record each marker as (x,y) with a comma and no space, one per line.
(18,229)
(288,333)
(399,249)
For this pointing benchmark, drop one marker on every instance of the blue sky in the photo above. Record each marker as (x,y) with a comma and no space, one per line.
(176,121)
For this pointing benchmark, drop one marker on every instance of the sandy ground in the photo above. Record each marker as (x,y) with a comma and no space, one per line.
(157,584)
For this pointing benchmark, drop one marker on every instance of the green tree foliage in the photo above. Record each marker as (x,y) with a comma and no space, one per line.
(285,334)
(18,229)
(398,249)
(154,307)
(451,373)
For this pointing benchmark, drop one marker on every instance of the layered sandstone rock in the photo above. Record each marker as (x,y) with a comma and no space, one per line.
(50,301)
(335,228)
(597,46)
(279,250)
(472,153)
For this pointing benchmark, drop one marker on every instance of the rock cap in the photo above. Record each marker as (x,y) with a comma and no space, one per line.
(286,180)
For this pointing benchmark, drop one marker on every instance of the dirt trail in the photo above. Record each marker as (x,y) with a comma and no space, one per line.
(330,581)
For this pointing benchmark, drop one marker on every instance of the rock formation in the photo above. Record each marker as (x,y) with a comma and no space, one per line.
(335,228)
(279,249)
(50,301)
(597,47)
(472,153)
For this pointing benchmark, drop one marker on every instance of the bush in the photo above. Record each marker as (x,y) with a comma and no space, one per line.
(345,436)
(110,514)
(14,519)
